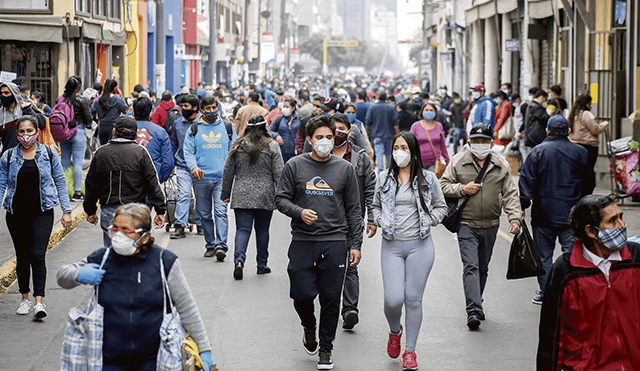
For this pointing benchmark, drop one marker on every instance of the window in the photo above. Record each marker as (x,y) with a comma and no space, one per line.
(114,9)
(21,6)
(99,8)
(83,6)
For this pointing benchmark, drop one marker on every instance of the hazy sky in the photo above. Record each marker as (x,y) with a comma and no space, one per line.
(409,23)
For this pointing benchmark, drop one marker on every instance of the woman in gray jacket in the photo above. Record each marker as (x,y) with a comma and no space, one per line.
(408,201)
(255,161)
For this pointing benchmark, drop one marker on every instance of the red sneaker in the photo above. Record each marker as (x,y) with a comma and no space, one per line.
(393,345)
(409,361)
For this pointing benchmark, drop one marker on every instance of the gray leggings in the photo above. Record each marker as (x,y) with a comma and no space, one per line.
(405,268)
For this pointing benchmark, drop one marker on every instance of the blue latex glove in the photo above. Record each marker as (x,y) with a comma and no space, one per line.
(207,360)
(91,274)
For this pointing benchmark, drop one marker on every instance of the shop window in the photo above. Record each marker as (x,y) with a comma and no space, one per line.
(113,7)
(21,6)
(31,62)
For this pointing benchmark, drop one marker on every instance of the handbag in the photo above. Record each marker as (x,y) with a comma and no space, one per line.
(508,129)
(441,164)
(524,260)
(454,216)
(171,332)
(82,346)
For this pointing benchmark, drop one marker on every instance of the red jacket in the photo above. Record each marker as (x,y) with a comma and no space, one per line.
(159,116)
(588,323)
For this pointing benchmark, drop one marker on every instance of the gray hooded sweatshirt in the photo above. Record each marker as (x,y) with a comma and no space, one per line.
(9,118)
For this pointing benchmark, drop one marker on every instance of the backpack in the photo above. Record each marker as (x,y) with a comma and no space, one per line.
(61,120)
(227,125)
(172,115)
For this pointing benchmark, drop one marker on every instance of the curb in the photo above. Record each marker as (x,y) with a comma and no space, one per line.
(8,269)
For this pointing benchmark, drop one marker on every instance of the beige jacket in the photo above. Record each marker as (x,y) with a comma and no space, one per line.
(498,190)
(245,113)
(586,129)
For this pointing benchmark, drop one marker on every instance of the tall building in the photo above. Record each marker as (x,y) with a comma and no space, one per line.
(356,17)
(384,27)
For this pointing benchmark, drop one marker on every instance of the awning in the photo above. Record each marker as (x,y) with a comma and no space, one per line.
(92,30)
(95,31)
(539,9)
(483,9)
(44,29)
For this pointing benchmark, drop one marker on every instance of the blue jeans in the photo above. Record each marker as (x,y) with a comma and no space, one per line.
(185,181)
(544,239)
(245,219)
(460,133)
(382,147)
(106,220)
(207,197)
(76,147)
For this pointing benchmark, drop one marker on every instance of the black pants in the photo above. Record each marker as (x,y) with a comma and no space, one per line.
(30,232)
(590,180)
(318,268)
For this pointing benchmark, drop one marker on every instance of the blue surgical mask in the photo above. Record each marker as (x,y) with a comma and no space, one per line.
(326,114)
(498,101)
(351,116)
(420,103)
(428,115)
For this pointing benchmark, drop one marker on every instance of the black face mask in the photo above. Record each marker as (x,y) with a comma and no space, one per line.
(7,100)
(210,117)
(187,113)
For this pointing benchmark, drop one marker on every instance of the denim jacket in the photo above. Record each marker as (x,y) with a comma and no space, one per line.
(53,187)
(384,204)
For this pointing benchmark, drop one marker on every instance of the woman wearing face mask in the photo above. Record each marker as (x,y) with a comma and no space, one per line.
(430,135)
(585,131)
(38,99)
(34,183)
(107,109)
(503,112)
(408,201)
(553,108)
(284,129)
(130,274)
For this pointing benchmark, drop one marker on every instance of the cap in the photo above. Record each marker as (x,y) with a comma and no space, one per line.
(479,87)
(126,127)
(423,95)
(558,124)
(256,120)
(331,104)
(481,130)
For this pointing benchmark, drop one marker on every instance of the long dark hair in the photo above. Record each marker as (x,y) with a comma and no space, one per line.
(69,94)
(579,106)
(416,165)
(109,86)
(257,137)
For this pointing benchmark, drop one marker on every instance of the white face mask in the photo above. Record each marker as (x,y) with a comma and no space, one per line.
(323,147)
(549,112)
(475,95)
(287,111)
(123,245)
(401,158)
(505,91)
(480,151)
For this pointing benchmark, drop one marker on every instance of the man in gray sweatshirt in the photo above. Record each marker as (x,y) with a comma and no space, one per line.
(320,193)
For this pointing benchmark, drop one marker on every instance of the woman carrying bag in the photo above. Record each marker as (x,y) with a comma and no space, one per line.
(138,282)
(430,135)
(408,201)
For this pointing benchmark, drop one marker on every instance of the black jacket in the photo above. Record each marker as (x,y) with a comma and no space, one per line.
(82,111)
(535,123)
(406,119)
(121,172)
(457,110)
(366,180)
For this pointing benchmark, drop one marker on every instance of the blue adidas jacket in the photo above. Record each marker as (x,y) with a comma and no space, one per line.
(209,148)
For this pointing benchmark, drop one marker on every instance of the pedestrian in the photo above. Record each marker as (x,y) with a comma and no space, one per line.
(585,131)
(330,107)
(382,123)
(503,112)
(38,99)
(12,109)
(284,129)
(251,108)
(358,131)
(589,317)
(408,202)
(484,108)
(32,183)
(555,92)
(154,139)
(362,105)
(131,290)
(480,219)
(346,149)
(535,121)
(553,178)
(206,146)
(121,172)
(306,107)
(430,135)
(159,116)
(107,109)
(251,175)
(77,144)
(405,117)
(319,192)
(457,108)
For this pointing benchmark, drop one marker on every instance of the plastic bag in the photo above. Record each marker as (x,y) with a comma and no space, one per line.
(523,258)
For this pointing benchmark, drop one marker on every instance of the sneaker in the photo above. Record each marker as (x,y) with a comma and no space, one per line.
(178,233)
(538,298)
(209,253)
(25,307)
(349,320)
(409,361)
(264,270)
(220,254)
(393,344)
(200,230)
(325,361)
(481,316)
(237,271)
(309,340)
(39,311)
(473,322)
(77,198)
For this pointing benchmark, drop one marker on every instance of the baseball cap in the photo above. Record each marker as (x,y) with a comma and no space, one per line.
(331,104)
(126,127)
(479,87)
(558,124)
(481,130)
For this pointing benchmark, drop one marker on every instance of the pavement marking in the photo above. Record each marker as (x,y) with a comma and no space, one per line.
(505,236)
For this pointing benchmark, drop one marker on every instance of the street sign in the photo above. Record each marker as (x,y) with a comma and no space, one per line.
(512,45)
(410,41)
(179,51)
(326,43)
(7,76)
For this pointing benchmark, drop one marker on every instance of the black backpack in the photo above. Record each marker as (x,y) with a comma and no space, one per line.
(172,115)
(227,125)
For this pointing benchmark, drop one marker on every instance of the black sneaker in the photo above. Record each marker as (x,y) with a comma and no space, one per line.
(220,254)
(325,361)
(264,270)
(237,272)
(209,253)
(309,340)
(481,316)
(178,233)
(349,320)
(200,230)
(473,322)
(77,198)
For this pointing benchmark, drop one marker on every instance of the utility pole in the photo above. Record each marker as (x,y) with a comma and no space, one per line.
(213,41)
(160,72)
(245,64)
(283,25)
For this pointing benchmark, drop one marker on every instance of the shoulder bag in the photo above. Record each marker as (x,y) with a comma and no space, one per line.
(171,331)
(441,164)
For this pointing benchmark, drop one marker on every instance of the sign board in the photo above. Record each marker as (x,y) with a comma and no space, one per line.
(7,76)
(160,70)
(179,51)
(294,56)
(445,57)
(350,43)
(410,41)
(512,45)
(267,47)
(280,58)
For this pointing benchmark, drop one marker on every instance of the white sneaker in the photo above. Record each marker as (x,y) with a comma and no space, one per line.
(25,307)
(39,311)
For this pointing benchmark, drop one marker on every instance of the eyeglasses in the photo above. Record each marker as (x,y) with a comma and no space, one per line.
(112,231)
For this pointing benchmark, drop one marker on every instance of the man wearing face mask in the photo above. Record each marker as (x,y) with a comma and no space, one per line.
(457,111)
(535,121)
(13,107)
(484,111)
(382,124)
(589,317)
(481,216)
(244,113)
(285,128)
(319,192)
